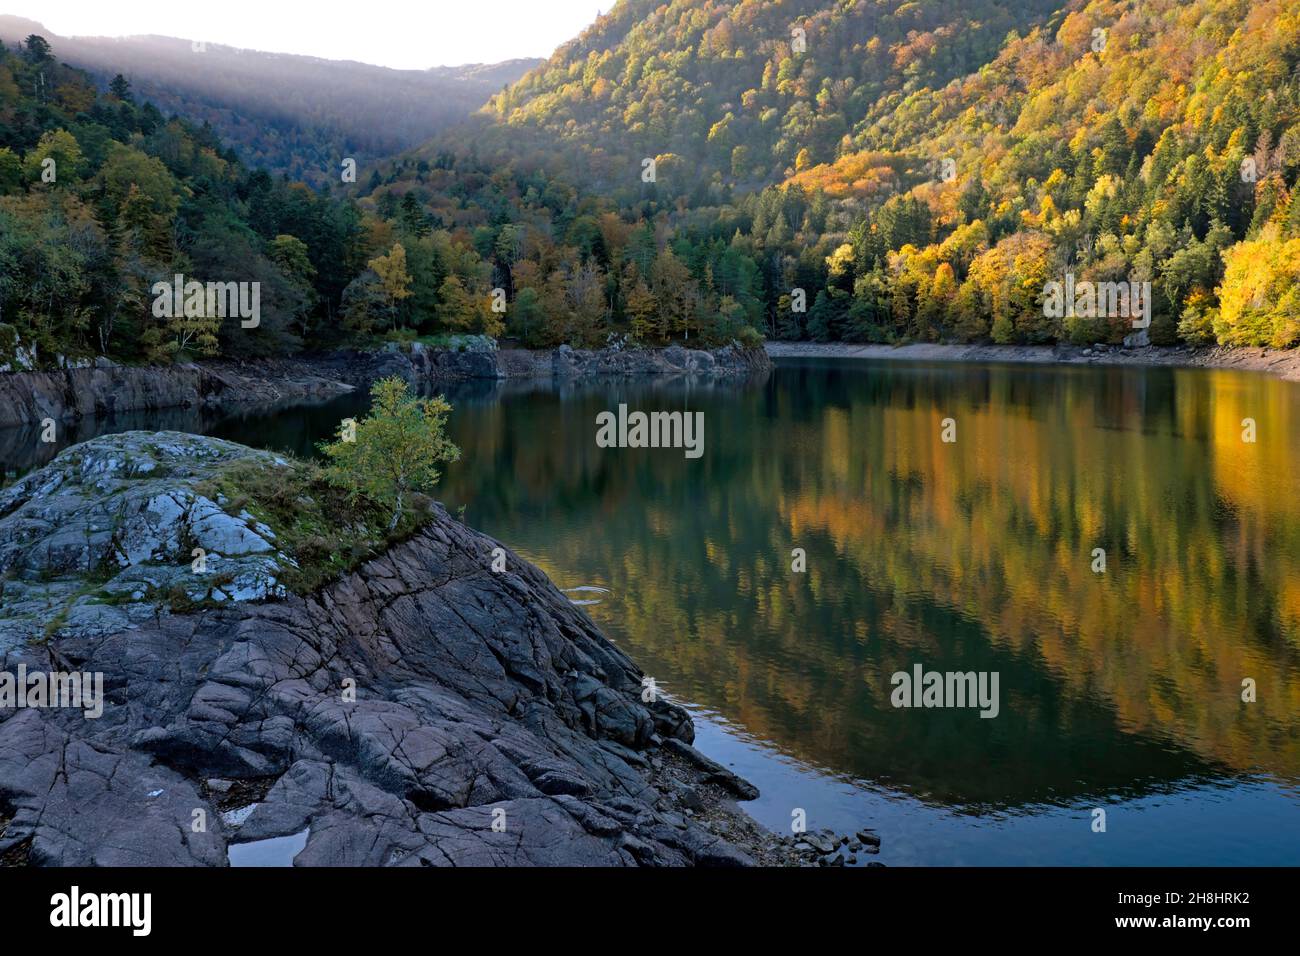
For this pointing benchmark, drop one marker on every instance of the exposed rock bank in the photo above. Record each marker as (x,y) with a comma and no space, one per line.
(28,398)
(492,722)
(566,363)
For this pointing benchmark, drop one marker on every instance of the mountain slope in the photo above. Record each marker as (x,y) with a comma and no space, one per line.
(915,173)
(1153,142)
(919,171)
(101,198)
(744,92)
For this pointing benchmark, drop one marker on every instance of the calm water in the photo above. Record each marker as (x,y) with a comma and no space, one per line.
(1119,690)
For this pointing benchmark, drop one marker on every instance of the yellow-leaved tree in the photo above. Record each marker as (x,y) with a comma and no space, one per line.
(1259,300)
(394,279)
(394,451)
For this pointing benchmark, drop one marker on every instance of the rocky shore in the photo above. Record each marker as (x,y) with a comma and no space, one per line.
(101,391)
(1283,364)
(105,389)
(566,363)
(421,710)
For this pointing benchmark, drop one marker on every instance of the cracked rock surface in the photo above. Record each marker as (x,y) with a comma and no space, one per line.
(422,710)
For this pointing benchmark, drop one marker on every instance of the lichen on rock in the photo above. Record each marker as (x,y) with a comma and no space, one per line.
(97,538)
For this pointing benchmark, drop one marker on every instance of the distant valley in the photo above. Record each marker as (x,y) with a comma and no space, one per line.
(291,115)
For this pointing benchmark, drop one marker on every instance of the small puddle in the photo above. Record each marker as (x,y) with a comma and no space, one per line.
(585,588)
(274,851)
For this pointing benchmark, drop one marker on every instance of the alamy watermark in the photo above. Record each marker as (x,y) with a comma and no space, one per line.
(74,909)
(38,689)
(1094,300)
(199,300)
(651,430)
(922,688)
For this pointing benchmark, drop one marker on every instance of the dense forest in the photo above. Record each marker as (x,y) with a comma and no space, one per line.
(919,170)
(708,172)
(101,197)
(133,198)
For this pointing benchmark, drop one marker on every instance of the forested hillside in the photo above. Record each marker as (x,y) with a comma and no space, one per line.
(102,197)
(747,93)
(291,115)
(919,170)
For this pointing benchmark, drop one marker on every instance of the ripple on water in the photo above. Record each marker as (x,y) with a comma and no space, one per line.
(586,589)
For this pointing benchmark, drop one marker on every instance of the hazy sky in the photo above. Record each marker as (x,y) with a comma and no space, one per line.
(408,34)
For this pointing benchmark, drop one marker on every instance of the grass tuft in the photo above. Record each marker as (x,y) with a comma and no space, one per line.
(324,531)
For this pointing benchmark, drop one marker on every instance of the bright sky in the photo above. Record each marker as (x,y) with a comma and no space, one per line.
(407,34)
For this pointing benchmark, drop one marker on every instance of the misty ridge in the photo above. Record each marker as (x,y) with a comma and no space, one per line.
(289,114)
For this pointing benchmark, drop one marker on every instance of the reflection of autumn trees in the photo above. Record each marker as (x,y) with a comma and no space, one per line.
(1202,533)
(968,556)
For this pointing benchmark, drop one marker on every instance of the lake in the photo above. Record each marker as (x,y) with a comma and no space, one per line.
(1120,689)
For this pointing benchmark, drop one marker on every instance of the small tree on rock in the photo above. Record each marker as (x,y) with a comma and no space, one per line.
(396,449)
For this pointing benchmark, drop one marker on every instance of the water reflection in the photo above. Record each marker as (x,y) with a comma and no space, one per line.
(973,556)
(285,426)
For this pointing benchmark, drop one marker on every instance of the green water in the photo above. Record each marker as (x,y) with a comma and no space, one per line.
(1119,690)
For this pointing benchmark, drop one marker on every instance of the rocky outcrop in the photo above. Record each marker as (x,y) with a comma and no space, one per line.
(423,710)
(27,398)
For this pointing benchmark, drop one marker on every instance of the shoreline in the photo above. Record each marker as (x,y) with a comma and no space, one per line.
(103,389)
(1279,363)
